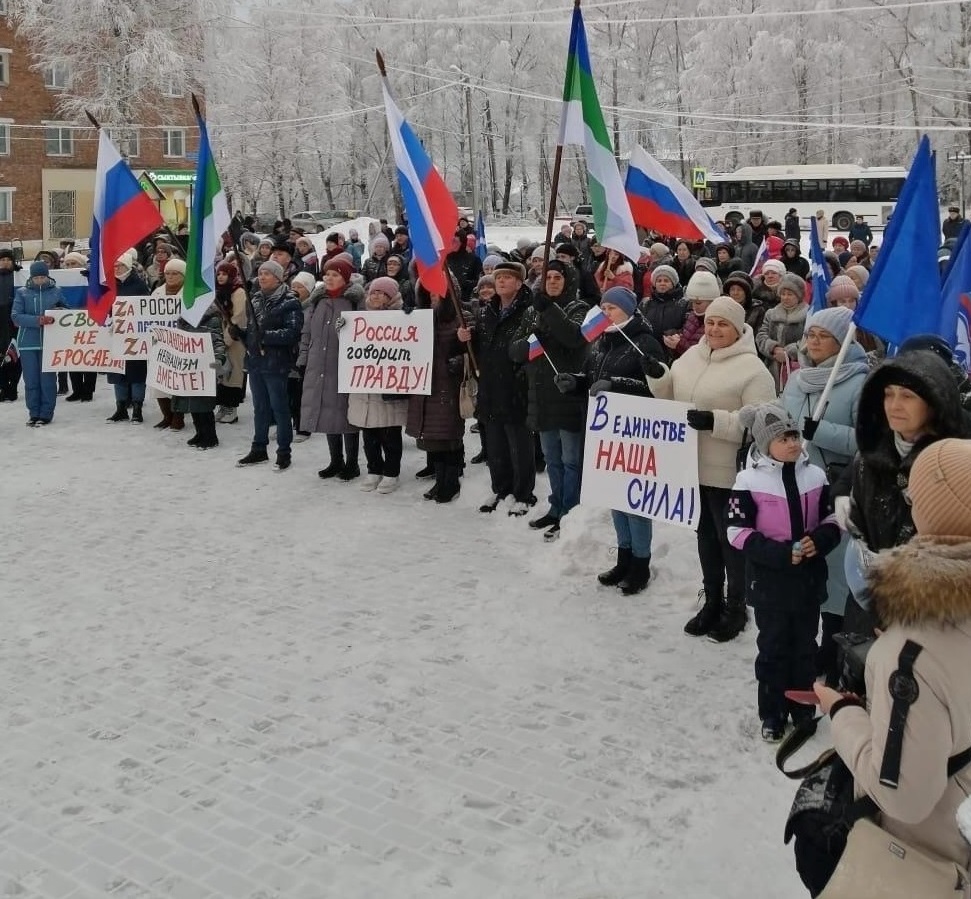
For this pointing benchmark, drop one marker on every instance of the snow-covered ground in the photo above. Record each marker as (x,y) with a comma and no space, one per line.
(247,685)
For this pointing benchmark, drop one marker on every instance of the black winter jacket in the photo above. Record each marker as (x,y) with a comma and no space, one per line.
(665,312)
(502,382)
(880,511)
(467,269)
(274,324)
(612,358)
(558,330)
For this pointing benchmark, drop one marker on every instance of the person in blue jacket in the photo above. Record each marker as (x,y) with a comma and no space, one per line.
(31,304)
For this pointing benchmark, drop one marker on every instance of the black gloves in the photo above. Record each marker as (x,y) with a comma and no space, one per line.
(237,333)
(652,367)
(456,365)
(809,428)
(301,370)
(407,309)
(541,302)
(601,386)
(565,382)
(701,421)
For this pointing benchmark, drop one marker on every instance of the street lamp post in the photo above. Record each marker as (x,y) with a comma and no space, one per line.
(961,158)
(467,87)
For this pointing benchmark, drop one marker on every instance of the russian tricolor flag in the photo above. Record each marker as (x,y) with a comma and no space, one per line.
(123,215)
(659,202)
(431,209)
(594,324)
(535,348)
(761,257)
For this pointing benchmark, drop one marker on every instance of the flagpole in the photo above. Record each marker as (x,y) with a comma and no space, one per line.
(546,356)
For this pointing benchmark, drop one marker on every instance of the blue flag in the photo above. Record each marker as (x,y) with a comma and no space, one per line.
(481,249)
(903,295)
(818,268)
(953,325)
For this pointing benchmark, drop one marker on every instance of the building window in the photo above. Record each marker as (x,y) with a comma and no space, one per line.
(59,140)
(173,86)
(4,11)
(6,206)
(61,205)
(126,140)
(5,137)
(4,67)
(173,142)
(57,77)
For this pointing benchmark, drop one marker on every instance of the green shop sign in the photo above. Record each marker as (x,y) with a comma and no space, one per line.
(172,177)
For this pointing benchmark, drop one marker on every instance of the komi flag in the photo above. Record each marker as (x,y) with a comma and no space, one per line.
(903,295)
(481,247)
(208,222)
(660,202)
(818,269)
(594,324)
(429,205)
(535,348)
(582,124)
(123,215)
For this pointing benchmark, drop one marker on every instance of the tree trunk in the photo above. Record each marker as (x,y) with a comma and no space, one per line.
(491,156)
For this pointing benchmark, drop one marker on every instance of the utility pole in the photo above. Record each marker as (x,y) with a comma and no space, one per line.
(467,87)
(961,158)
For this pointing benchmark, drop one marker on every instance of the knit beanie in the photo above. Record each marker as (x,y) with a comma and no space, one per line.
(666,271)
(835,321)
(842,241)
(773,265)
(306,279)
(340,265)
(842,288)
(380,240)
(267,240)
(794,283)
(705,263)
(486,281)
(728,309)
(248,237)
(76,258)
(940,489)
(39,268)
(742,280)
(660,250)
(491,261)
(270,267)
(858,248)
(174,265)
(512,268)
(622,298)
(702,286)
(386,285)
(541,252)
(767,422)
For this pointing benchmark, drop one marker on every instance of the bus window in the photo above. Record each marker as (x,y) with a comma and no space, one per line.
(758,192)
(710,195)
(890,188)
(735,192)
(813,190)
(868,190)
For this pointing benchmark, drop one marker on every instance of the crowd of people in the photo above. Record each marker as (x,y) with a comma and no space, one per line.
(796,500)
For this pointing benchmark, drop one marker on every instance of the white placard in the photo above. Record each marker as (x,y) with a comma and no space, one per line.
(386,352)
(132,320)
(641,457)
(76,342)
(180,363)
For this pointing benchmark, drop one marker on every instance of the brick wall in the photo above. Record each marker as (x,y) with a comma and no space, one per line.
(26,101)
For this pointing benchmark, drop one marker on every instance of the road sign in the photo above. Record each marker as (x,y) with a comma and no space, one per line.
(699,178)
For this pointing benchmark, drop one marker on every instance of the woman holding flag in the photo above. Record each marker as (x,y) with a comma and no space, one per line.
(615,364)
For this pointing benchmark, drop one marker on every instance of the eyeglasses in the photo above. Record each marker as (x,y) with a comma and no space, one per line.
(819,335)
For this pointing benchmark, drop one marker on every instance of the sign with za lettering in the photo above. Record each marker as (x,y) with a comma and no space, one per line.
(132,320)
(386,352)
(699,178)
(641,457)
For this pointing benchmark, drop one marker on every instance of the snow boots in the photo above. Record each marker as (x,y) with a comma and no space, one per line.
(613,576)
(637,577)
(121,413)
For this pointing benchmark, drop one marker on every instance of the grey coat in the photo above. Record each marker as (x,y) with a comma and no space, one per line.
(322,409)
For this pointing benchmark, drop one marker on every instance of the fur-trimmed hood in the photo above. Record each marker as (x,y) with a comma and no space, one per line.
(926,581)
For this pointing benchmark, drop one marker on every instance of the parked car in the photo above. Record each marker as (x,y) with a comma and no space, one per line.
(315,221)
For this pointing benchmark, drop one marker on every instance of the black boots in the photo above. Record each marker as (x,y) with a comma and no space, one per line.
(165,406)
(732,621)
(615,575)
(253,457)
(339,468)
(205,436)
(706,618)
(121,412)
(637,577)
(136,413)
(447,484)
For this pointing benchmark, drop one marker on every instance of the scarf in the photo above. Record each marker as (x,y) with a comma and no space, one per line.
(812,378)
(904,448)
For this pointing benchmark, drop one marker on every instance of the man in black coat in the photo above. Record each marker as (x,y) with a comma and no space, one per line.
(465,266)
(558,418)
(502,400)
(9,364)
